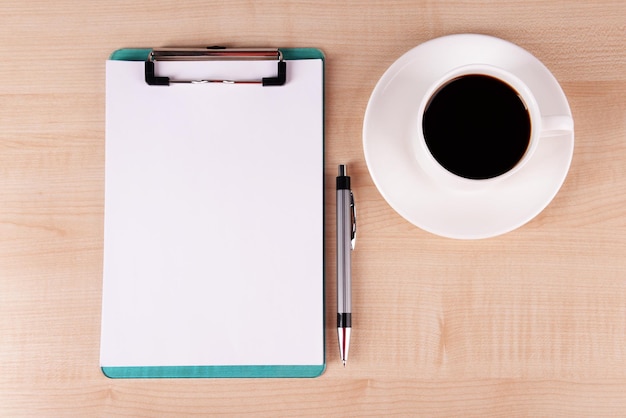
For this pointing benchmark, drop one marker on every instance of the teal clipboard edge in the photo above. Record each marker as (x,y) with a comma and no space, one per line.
(213,372)
(141,54)
(253,371)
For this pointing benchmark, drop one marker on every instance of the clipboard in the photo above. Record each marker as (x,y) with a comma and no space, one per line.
(214,213)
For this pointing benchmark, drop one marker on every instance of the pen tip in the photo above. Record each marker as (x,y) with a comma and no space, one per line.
(344,363)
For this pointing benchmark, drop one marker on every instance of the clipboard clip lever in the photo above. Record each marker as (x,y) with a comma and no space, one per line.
(214,53)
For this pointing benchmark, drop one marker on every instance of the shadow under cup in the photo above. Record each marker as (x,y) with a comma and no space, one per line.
(477,126)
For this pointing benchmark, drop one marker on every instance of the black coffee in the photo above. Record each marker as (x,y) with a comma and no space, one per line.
(476,126)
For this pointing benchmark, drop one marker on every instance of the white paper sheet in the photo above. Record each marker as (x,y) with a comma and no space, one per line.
(213,248)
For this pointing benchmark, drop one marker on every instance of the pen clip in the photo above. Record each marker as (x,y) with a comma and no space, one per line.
(353,209)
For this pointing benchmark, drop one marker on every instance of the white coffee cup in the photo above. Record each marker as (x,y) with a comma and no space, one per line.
(542,127)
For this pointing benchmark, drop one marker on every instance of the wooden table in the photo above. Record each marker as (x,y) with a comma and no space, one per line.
(531,323)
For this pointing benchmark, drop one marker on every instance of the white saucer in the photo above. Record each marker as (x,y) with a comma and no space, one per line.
(390,127)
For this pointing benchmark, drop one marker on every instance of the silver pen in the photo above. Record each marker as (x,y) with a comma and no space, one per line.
(346,238)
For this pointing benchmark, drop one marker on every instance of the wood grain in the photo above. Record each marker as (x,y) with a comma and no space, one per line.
(532,323)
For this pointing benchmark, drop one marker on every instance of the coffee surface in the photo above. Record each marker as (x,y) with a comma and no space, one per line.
(477,126)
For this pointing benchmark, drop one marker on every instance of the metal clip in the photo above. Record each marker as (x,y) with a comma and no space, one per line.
(214,53)
(353,209)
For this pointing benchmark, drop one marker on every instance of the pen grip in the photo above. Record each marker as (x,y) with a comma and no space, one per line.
(344,320)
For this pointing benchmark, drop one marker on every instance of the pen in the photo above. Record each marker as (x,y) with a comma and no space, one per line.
(346,238)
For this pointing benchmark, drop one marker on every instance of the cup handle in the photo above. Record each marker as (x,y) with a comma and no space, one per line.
(556,125)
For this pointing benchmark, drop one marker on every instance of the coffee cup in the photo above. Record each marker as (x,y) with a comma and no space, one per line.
(479,124)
